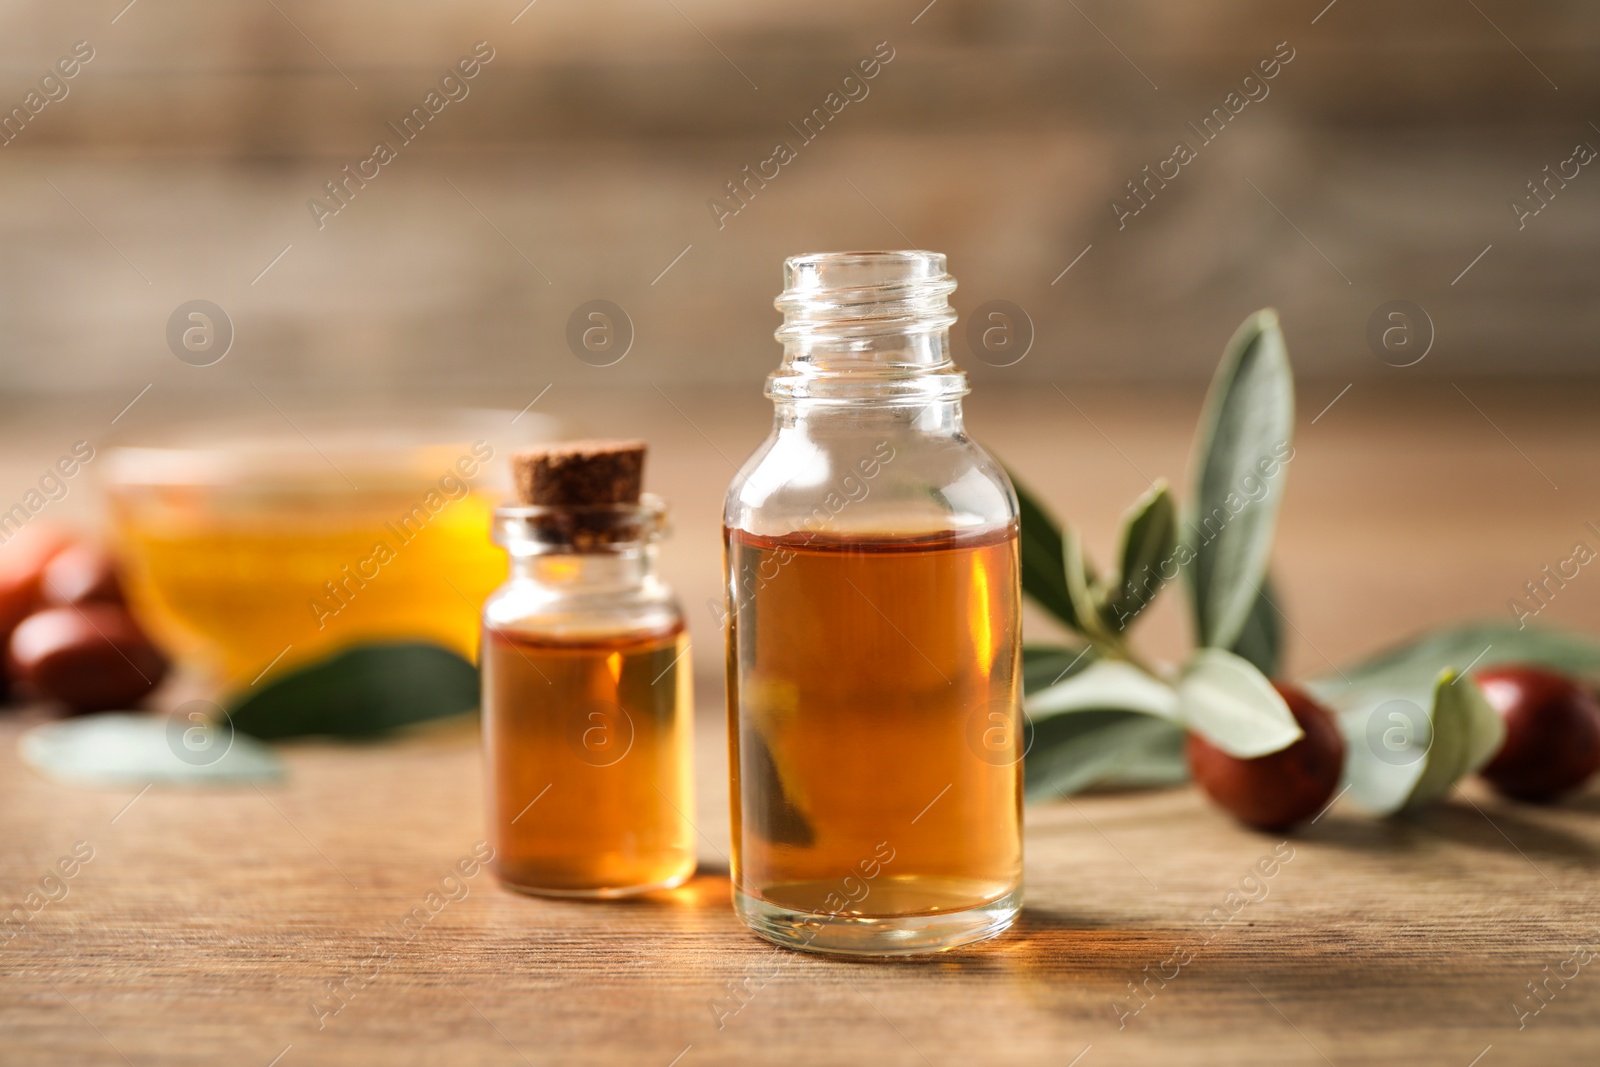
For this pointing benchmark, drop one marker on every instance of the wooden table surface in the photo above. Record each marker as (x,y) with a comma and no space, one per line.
(208,925)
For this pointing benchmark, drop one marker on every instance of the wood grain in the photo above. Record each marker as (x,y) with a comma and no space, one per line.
(207,926)
(582,163)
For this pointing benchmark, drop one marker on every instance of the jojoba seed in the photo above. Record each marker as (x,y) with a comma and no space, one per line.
(1275,791)
(1552,740)
(80,574)
(91,657)
(22,560)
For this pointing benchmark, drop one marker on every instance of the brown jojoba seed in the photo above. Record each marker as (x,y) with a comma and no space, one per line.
(1552,742)
(90,657)
(23,556)
(80,574)
(1275,791)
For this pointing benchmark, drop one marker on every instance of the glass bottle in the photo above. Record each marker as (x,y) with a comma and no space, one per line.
(873,630)
(587,705)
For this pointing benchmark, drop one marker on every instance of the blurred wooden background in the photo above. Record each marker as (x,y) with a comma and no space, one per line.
(179,164)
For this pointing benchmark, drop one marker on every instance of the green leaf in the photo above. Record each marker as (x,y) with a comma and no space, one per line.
(1409,669)
(1149,539)
(1106,683)
(1040,546)
(1242,444)
(1401,756)
(135,749)
(1080,584)
(1486,730)
(1389,706)
(1045,665)
(1384,750)
(1157,760)
(1261,640)
(1073,752)
(1446,750)
(364,691)
(1466,732)
(1385,703)
(1227,701)
(1105,723)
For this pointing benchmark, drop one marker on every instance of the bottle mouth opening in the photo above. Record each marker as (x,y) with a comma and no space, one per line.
(529,530)
(846,271)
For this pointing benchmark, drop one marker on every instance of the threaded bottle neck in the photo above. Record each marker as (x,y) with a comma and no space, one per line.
(866,326)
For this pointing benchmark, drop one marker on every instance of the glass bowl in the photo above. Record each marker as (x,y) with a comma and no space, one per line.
(248,548)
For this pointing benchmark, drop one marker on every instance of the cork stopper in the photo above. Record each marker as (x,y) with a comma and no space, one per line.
(575,473)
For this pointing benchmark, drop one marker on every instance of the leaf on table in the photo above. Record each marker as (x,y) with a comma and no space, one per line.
(1045,665)
(1230,703)
(1156,761)
(136,749)
(1466,733)
(1384,702)
(1149,539)
(1106,723)
(1384,750)
(364,691)
(1105,683)
(1404,754)
(1486,729)
(1070,753)
(1445,751)
(1261,640)
(1242,443)
(1040,548)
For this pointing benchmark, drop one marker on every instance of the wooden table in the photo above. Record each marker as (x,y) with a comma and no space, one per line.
(208,926)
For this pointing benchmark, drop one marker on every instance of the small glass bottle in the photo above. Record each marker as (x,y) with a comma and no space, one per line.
(873,630)
(587,698)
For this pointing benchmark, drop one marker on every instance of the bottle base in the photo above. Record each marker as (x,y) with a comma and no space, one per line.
(861,935)
(601,892)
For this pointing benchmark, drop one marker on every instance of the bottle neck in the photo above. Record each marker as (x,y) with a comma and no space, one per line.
(587,574)
(867,327)
(583,550)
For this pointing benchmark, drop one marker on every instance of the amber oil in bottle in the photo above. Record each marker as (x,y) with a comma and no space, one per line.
(587,697)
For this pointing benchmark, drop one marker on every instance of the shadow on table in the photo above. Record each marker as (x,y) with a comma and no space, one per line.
(1589,802)
(1500,829)
(1066,943)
